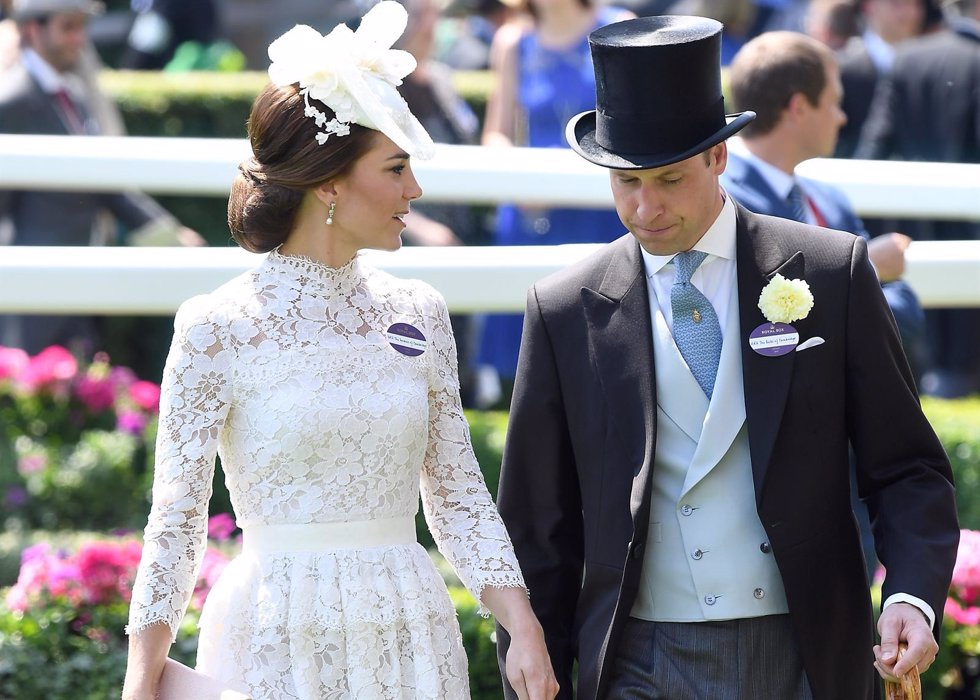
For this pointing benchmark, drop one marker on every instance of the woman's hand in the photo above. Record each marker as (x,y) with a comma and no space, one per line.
(528,665)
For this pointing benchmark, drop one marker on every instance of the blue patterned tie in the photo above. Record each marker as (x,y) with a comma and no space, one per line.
(696,328)
(797,203)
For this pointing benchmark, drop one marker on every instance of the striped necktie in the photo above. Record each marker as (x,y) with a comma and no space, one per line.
(797,203)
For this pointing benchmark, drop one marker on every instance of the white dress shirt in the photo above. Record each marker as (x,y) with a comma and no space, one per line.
(50,80)
(781,183)
(715,277)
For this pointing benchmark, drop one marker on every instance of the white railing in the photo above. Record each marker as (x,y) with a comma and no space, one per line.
(554,176)
(156,280)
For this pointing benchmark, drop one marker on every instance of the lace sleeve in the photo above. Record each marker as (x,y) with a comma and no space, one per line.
(193,404)
(458,508)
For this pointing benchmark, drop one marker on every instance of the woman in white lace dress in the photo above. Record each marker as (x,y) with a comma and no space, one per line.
(329,389)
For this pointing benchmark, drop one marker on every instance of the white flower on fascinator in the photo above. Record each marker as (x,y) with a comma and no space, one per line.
(356,74)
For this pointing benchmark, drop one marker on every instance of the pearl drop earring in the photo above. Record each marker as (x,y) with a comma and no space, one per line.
(330,211)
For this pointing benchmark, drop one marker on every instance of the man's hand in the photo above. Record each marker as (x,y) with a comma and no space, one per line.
(887,253)
(902,622)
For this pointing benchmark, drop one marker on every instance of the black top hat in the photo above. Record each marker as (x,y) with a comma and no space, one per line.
(658,94)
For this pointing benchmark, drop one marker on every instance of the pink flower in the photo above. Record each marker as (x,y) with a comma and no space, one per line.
(51,366)
(122,377)
(99,573)
(31,464)
(966,572)
(17,599)
(220,526)
(212,566)
(106,570)
(12,362)
(146,395)
(968,616)
(97,393)
(131,422)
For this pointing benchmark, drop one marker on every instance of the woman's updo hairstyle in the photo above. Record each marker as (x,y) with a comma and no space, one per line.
(286,161)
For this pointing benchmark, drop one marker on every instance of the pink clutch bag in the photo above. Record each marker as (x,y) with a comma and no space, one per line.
(180,682)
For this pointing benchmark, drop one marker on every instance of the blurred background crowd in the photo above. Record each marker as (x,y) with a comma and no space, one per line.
(895,59)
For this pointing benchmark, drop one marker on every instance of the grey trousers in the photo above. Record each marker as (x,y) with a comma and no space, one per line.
(751,659)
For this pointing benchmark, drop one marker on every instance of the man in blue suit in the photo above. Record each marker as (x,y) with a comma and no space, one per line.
(793,84)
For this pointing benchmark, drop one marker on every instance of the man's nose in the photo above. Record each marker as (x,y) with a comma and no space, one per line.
(649,204)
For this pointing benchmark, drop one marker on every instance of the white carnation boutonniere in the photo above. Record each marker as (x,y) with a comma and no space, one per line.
(785,301)
(782,302)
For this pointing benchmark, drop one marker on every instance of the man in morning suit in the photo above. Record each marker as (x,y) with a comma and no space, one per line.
(680,501)
(42,94)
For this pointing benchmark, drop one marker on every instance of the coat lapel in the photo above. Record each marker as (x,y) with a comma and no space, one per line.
(766,380)
(618,316)
(726,412)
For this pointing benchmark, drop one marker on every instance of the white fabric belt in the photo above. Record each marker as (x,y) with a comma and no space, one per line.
(324,537)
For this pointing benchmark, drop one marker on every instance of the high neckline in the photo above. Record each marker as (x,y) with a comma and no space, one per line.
(308,272)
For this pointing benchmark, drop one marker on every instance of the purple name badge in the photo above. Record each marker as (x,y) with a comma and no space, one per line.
(407,339)
(774,339)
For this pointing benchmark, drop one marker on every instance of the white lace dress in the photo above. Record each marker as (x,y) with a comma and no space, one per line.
(308,382)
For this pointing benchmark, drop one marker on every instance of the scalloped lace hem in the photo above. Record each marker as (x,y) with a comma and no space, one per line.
(137,627)
(510,582)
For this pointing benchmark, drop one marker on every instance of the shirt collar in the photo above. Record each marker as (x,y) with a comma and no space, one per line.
(780,182)
(718,240)
(881,53)
(50,80)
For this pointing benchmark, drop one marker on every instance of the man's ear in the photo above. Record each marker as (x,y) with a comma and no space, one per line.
(797,104)
(718,158)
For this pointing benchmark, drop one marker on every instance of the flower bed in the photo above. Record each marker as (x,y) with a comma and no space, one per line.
(61,624)
(75,441)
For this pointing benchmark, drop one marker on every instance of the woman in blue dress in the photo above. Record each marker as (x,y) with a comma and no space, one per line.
(544,77)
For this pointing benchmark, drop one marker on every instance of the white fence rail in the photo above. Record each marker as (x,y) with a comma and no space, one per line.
(456,174)
(156,280)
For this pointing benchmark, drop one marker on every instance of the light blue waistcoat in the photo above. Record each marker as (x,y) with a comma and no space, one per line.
(707,555)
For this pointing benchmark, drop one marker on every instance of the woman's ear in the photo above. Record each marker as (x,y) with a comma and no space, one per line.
(326,192)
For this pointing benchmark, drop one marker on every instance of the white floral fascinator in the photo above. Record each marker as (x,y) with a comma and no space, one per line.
(355,74)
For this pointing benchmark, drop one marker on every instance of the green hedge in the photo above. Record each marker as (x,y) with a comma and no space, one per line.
(217,104)
(957,423)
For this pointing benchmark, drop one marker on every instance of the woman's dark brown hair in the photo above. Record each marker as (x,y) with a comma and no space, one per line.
(286,161)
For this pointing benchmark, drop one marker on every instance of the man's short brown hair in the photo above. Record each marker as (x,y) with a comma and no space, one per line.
(770,69)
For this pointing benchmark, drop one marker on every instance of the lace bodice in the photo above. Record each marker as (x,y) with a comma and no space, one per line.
(289,373)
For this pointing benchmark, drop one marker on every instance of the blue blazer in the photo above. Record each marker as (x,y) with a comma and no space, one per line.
(743,181)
